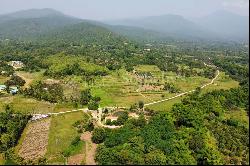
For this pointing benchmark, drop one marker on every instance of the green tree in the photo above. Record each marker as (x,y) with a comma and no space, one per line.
(85,96)
(141,104)
(155,157)
(98,135)
(93,105)
(122,118)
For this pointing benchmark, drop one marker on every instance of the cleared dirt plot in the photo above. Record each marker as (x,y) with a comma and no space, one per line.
(30,77)
(76,159)
(35,141)
(90,148)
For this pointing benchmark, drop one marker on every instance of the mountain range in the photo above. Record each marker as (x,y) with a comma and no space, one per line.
(36,23)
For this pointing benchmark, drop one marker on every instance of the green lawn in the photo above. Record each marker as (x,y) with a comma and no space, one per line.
(61,134)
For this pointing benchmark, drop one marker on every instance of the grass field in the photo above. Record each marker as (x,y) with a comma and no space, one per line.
(166,105)
(118,89)
(2,160)
(30,77)
(222,82)
(3,79)
(28,105)
(240,115)
(61,134)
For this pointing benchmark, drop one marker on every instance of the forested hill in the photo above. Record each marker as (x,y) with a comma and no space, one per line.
(83,32)
(39,24)
(33,23)
(49,26)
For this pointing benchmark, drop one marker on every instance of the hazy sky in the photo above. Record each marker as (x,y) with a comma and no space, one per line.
(114,9)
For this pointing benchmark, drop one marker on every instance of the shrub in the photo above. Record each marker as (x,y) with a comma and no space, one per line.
(98,136)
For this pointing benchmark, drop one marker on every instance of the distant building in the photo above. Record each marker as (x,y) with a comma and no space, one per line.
(112,118)
(51,81)
(147,49)
(16,64)
(13,90)
(39,116)
(148,45)
(2,88)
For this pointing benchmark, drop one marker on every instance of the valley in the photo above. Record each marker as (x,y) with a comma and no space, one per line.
(82,92)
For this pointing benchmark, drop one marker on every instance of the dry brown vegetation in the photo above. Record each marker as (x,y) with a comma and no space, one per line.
(35,142)
(76,159)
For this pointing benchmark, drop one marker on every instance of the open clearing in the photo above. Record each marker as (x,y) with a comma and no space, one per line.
(35,140)
(61,135)
(28,105)
(30,77)
(76,159)
(121,88)
(3,79)
(222,82)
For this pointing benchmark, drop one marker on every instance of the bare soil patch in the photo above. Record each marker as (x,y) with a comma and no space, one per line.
(76,159)
(151,88)
(90,148)
(35,142)
(28,81)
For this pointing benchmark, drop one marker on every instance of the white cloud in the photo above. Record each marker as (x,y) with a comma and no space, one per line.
(240,4)
(240,7)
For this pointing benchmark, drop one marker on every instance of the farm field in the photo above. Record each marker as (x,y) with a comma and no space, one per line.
(61,135)
(121,88)
(34,143)
(222,82)
(28,105)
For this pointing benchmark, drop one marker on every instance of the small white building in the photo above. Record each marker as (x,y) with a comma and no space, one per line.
(2,88)
(112,118)
(39,116)
(147,49)
(16,64)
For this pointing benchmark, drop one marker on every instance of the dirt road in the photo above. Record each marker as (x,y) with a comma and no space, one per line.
(90,148)
(212,81)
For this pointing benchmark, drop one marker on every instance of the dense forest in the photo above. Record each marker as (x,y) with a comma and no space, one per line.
(11,127)
(195,131)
